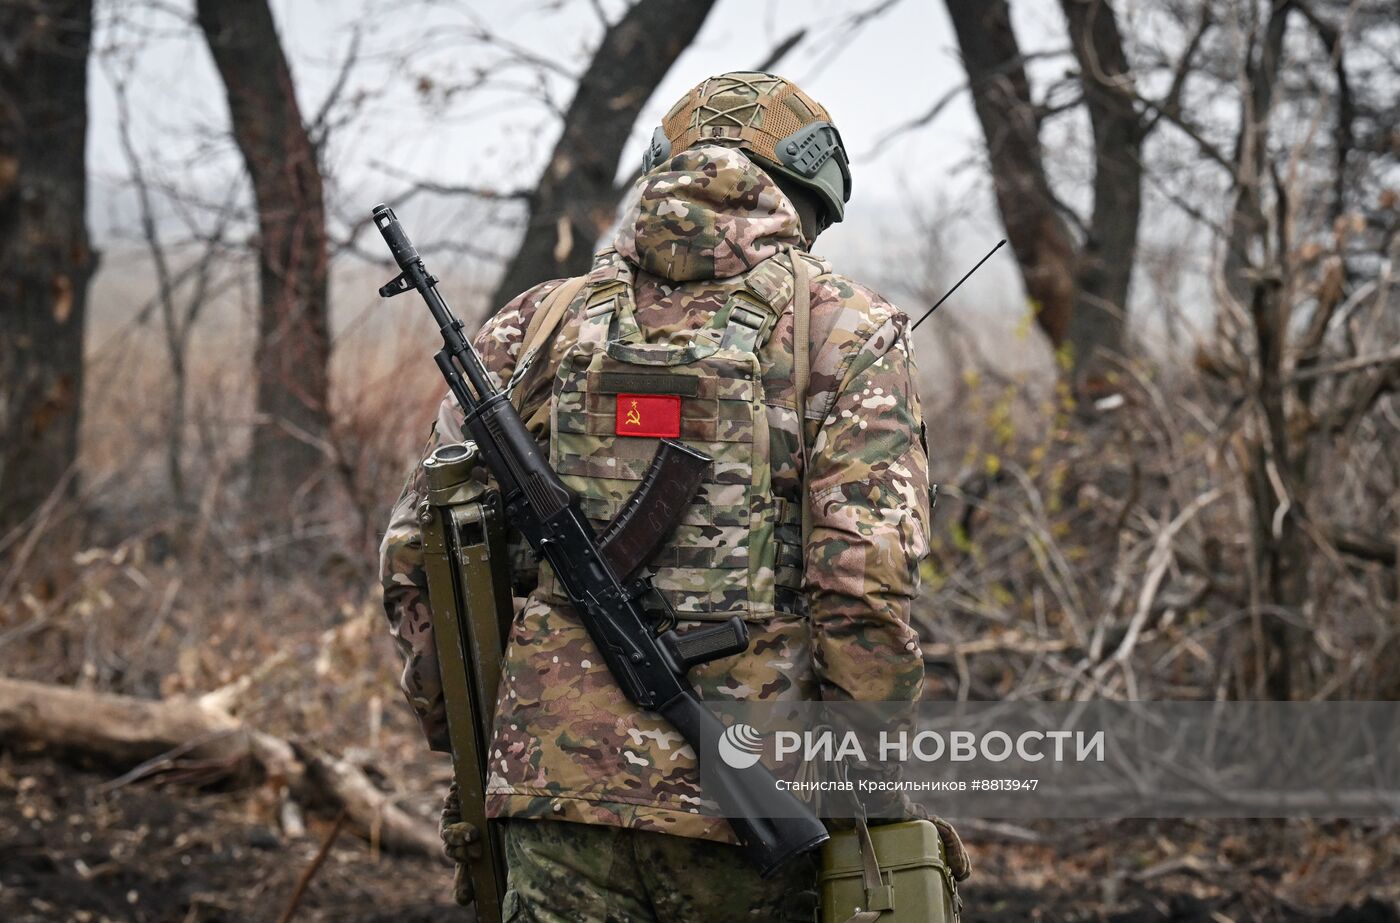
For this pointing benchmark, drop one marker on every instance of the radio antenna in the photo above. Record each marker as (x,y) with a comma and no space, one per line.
(959,282)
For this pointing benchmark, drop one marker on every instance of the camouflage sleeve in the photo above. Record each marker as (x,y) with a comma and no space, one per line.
(869,524)
(401,555)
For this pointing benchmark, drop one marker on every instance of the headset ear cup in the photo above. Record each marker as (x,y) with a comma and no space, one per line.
(657,151)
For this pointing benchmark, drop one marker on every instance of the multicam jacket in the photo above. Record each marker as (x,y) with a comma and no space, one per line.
(567,744)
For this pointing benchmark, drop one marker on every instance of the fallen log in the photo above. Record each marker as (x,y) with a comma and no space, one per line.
(130,732)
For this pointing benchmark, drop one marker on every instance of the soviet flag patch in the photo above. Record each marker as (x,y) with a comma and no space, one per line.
(656,415)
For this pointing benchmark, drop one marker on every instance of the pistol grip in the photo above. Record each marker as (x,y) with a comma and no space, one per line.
(701,645)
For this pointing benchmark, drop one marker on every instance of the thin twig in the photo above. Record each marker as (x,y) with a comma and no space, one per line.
(310,871)
(1353,364)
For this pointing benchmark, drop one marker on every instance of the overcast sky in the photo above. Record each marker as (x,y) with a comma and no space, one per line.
(873,77)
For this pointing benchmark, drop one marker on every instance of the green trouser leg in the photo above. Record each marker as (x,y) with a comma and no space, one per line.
(583,873)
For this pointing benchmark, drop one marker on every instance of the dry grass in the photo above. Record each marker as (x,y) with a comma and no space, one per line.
(1114,556)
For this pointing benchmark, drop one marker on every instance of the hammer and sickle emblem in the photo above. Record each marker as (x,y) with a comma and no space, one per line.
(634,415)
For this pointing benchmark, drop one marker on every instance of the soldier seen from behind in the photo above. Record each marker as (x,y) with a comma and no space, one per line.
(706,321)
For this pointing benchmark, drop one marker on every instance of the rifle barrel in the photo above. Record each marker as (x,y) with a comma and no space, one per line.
(460,352)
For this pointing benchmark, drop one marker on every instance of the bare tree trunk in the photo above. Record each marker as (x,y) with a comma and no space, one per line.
(1109,251)
(1255,267)
(1277,480)
(575,200)
(1081,292)
(293,346)
(1001,95)
(44,249)
(165,293)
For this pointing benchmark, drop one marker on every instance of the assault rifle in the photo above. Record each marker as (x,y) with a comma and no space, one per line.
(629,621)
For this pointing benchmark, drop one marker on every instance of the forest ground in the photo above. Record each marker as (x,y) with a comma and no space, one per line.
(75,848)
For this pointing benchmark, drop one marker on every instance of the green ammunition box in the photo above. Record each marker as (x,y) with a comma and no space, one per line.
(915,883)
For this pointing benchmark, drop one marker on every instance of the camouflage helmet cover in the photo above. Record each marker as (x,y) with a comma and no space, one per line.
(769,117)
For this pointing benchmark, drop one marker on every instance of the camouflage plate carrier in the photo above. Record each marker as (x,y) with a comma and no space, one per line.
(737,551)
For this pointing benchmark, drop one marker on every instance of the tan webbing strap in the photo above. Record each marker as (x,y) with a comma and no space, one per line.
(878,895)
(801,372)
(544,324)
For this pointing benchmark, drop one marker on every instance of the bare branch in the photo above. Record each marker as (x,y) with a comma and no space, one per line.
(577,183)
(781,50)
(1170,104)
(919,121)
(1349,365)
(319,127)
(1344,137)
(943,101)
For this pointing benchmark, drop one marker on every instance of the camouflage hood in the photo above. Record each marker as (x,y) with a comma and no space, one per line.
(707,213)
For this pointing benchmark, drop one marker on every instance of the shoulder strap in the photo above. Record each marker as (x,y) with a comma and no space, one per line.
(550,313)
(801,371)
(544,324)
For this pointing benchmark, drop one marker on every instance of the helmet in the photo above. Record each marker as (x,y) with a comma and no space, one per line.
(784,129)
